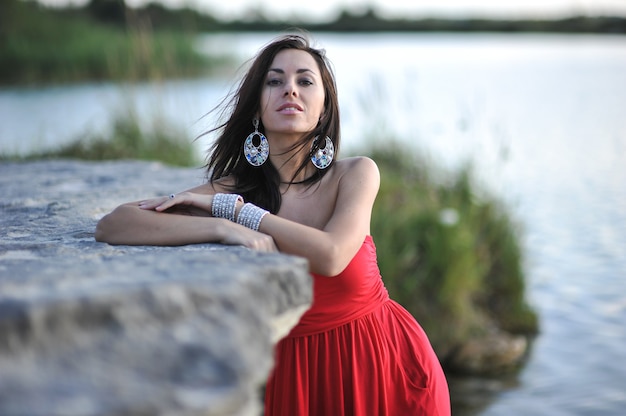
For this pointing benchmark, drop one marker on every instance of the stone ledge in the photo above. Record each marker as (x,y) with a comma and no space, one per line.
(92,329)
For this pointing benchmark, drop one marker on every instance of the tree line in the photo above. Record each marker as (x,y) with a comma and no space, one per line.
(117,12)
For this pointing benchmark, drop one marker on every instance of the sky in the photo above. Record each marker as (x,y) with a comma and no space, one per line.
(320,10)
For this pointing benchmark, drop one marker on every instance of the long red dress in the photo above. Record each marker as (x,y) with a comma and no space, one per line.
(356,352)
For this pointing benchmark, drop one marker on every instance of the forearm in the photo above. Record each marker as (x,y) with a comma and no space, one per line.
(128,224)
(328,252)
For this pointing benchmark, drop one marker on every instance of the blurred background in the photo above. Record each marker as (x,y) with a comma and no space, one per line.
(530,94)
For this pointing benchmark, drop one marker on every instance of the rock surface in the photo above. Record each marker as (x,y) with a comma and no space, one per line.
(493,353)
(92,329)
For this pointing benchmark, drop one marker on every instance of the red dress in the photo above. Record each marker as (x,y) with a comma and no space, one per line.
(356,352)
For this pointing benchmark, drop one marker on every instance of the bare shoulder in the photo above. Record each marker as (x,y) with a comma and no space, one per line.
(358,168)
(357,177)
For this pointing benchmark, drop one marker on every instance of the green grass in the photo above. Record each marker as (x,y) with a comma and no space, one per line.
(44,46)
(448,252)
(127,140)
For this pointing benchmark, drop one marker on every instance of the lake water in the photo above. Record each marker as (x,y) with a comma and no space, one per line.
(542,118)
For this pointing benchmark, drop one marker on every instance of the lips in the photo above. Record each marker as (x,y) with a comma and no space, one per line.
(289,107)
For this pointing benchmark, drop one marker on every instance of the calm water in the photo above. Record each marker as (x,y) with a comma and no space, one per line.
(541,117)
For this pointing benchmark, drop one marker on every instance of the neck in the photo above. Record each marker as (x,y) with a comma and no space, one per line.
(288,161)
(288,169)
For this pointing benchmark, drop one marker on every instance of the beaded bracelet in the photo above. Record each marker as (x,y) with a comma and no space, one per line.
(250,216)
(225,205)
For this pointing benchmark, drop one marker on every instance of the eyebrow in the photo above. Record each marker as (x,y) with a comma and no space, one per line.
(299,71)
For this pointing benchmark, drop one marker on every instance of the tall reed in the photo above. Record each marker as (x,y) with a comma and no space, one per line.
(41,46)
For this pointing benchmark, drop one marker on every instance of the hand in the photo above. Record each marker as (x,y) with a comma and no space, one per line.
(188,199)
(240,235)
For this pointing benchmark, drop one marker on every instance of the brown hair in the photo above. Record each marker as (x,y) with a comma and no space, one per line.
(260,185)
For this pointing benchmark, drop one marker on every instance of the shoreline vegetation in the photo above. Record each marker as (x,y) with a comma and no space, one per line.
(107,40)
(448,252)
(163,141)
(44,46)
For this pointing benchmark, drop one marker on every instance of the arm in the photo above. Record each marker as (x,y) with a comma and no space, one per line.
(144,223)
(331,249)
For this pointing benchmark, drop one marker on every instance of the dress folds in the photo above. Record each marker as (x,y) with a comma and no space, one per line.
(356,352)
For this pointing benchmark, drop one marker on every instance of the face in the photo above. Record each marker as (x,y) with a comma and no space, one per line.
(292,99)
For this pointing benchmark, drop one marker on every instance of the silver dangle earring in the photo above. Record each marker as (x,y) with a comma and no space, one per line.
(256,155)
(323,157)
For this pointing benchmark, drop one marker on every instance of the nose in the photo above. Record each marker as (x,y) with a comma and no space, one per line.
(290,89)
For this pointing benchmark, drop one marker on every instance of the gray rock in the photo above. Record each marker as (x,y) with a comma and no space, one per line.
(92,329)
(492,353)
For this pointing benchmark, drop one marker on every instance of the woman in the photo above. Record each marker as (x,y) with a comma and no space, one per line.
(276,184)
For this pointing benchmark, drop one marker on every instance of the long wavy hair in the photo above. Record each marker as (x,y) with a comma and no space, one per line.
(261,185)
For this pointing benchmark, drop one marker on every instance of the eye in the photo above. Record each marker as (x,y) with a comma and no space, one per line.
(305,81)
(273,82)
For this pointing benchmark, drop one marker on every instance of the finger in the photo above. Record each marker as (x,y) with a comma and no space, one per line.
(254,244)
(168,203)
(172,200)
(265,245)
(151,203)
